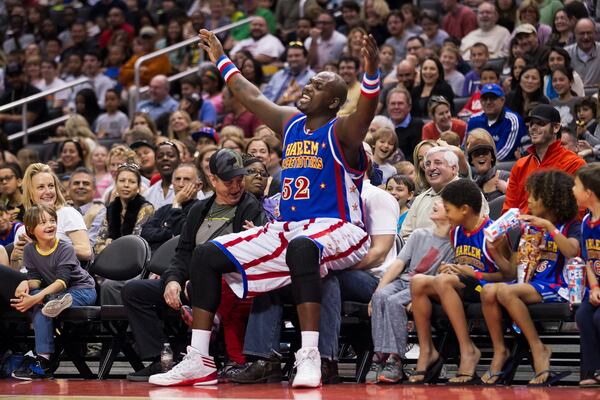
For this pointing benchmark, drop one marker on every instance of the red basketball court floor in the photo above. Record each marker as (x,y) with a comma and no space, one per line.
(63,389)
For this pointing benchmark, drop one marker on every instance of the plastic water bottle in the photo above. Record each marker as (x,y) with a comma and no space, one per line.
(166,357)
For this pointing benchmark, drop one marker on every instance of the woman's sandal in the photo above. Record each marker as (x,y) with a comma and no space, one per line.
(473,380)
(595,378)
(430,375)
(500,375)
(553,377)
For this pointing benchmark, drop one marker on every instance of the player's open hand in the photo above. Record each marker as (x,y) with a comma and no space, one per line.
(211,44)
(370,53)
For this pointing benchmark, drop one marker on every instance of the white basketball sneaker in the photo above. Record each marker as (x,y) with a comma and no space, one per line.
(308,368)
(194,369)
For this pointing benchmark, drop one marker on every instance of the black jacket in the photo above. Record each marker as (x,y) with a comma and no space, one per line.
(249,208)
(166,223)
(409,137)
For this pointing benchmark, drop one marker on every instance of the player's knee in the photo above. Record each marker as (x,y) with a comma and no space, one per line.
(207,255)
(302,256)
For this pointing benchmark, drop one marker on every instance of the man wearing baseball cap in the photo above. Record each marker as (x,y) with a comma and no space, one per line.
(146,299)
(546,152)
(505,126)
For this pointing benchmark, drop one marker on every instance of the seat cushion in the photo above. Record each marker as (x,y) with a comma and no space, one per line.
(113,313)
(85,313)
(162,256)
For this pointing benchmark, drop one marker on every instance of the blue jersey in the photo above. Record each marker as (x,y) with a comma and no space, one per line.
(550,266)
(470,248)
(508,132)
(590,243)
(316,181)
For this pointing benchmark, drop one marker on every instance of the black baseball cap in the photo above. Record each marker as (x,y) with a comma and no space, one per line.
(226,164)
(545,113)
(142,143)
(13,69)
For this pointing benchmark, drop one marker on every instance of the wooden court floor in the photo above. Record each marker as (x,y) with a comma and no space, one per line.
(63,389)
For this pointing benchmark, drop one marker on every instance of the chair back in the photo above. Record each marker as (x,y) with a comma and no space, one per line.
(496,207)
(161,258)
(123,259)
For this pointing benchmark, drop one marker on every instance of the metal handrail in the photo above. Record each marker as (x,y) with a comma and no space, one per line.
(35,97)
(39,127)
(173,47)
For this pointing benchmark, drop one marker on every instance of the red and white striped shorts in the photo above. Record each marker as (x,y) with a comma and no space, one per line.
(259,253)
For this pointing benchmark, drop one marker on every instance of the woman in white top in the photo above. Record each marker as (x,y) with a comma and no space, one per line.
(41,186)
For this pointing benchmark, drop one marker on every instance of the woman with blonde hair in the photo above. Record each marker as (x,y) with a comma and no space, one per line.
(419,152)
(481,152)
(234,143)
(355,43)
(202,165)
(374,13)
(179,125)
(232,130)
(41,187)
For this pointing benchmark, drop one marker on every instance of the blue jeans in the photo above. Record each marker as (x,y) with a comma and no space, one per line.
(357,285)
(264,325)
(44,326)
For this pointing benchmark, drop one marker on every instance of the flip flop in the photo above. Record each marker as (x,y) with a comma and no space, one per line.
(430,375)
(500,375)
(596,378)
(553,377)
(473,380)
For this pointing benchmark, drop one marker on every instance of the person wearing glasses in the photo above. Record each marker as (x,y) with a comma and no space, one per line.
(325,44)
(584,53)
(545,152)
(285,86)
(256,182)
(11,197)
(505,126)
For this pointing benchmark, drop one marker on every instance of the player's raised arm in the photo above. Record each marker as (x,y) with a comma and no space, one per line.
(352,129)
(250,96)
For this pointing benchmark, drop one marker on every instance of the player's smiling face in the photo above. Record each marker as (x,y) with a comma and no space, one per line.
(317,93)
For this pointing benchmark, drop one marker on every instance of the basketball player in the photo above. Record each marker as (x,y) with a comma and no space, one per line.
(321,225)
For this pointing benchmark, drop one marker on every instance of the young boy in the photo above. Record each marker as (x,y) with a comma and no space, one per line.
(423,253)
(489,74)
(456,283)
(479,57)
(52,270)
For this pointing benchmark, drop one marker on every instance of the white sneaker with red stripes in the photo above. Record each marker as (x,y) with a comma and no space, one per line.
(308,368)
(195,369)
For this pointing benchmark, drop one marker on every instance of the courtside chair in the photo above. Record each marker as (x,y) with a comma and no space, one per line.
(123,259)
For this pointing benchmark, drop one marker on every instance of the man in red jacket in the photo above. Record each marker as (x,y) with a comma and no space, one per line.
(546,152)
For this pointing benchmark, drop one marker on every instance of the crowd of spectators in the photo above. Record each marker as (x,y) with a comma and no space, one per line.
(461,77)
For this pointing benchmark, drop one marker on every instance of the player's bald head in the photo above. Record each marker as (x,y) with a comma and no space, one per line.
(335,85)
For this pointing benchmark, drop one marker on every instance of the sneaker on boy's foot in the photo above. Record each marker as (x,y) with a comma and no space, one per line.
(39,368)
(143,374)
(392,371)
(194,369)
(57,305)
(23,370)
(308,368)
(372,376)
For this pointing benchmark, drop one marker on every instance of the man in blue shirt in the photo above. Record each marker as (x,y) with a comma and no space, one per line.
(506,127)
(286,85)
(160,101)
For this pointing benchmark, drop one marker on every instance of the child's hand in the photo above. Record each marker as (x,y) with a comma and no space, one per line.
(248,224)
(409,308)
(445,268)
(537,222)
(595,297)
(370,308)
(22,289)
(25,302)
(464,270)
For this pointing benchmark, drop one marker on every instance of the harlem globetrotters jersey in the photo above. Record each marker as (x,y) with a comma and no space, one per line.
(316,181)
(550,268)
(590,240)
(470,248)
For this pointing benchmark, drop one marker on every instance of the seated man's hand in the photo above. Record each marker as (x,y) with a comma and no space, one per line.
(171,295)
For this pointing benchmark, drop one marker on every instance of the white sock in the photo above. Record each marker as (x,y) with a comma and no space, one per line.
(201,340)
(310,339)
(45,355)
